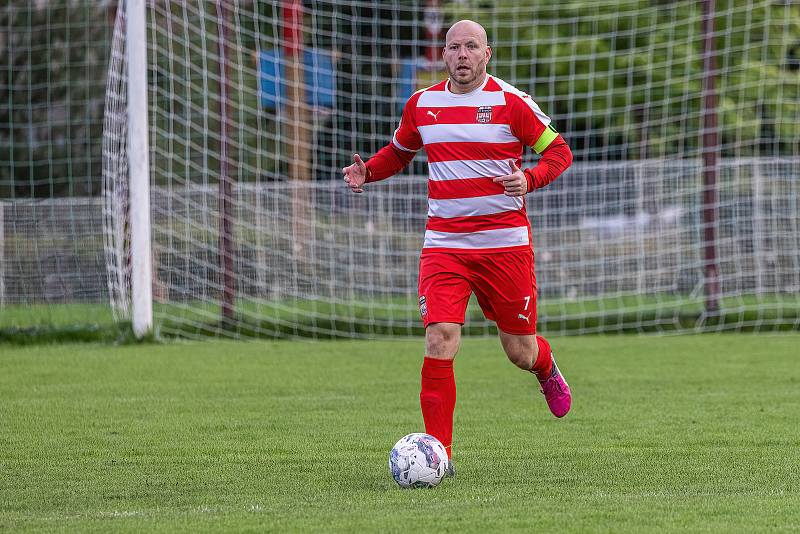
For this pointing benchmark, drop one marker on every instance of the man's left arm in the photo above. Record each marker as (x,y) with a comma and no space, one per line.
(555,159)
(531,126)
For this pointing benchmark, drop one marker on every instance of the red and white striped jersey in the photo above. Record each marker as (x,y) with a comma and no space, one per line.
(470,139)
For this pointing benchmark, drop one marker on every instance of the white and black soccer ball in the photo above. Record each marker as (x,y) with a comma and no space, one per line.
(418,461)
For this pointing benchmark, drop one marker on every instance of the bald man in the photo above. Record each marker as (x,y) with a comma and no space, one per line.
(473,127)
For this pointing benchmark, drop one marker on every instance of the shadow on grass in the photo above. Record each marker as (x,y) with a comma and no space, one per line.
(663,321)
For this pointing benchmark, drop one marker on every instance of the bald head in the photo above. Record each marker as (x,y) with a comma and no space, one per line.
(466,54)
(467,28)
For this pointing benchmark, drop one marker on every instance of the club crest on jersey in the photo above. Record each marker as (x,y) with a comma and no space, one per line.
(423,307)
(484,114)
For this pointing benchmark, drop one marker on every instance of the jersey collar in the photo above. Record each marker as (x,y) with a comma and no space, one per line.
(465,95)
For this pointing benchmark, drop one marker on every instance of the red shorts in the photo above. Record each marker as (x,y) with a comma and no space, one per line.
(503,282)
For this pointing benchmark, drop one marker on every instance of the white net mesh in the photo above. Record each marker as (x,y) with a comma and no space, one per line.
(115,174)
(53,65)
(620,239)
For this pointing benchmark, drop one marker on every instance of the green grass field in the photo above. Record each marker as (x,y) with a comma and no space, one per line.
(690,433)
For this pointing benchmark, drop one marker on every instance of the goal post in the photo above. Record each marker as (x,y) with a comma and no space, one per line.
(139,168)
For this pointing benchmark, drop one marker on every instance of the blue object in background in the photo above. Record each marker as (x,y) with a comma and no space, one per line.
(407,82)
(318,75)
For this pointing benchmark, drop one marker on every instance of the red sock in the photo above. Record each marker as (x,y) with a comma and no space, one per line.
(438,399)
(543,365)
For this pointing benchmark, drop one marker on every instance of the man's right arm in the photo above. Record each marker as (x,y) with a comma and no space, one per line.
(392,158)
(387,162)
(405,143)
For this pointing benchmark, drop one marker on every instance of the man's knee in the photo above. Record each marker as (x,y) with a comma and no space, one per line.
(442,340)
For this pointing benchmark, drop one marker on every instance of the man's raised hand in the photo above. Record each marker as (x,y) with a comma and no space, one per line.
(356,174)
(515,184)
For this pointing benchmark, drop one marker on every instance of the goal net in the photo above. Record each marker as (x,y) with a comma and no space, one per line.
(53,66)
(680,212)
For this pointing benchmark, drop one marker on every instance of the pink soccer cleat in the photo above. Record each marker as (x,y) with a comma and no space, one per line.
(556,392)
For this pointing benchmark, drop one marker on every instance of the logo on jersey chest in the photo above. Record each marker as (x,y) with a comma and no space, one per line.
(434,115)
(484,114)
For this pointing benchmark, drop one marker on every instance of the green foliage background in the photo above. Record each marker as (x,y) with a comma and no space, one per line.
(53,64)
(636,67)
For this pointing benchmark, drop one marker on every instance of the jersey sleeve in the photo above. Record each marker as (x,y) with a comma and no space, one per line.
(406,137)
(406,141)
(556,158)
(387,162)
(528,122)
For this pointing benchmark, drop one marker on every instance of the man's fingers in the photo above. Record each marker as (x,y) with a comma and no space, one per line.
(513,165)
(514,187)
(353,175)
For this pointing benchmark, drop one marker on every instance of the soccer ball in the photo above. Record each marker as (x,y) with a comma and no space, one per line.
(418,461)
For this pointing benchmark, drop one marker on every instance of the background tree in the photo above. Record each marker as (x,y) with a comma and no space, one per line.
(624,78)
(53,62)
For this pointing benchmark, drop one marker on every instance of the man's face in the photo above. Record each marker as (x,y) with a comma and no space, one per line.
(466,55)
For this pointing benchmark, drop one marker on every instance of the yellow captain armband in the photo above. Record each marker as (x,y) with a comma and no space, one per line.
(545,139)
